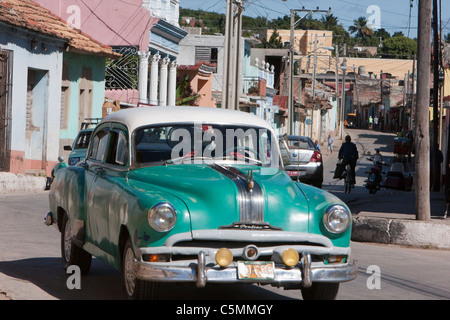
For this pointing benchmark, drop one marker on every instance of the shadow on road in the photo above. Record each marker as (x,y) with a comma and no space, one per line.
(105,283)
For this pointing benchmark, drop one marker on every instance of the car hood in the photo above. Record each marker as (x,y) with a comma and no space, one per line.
(246,197)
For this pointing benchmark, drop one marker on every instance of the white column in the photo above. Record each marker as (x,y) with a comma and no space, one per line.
(154,72)
(171,96)
(163,81)
(143,75)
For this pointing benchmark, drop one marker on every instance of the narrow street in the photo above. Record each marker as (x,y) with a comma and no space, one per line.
(386,202)
(31,267)
(366,141)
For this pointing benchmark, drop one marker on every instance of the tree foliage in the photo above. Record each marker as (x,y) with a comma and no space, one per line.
(399,46)
(358,34)
(360,28)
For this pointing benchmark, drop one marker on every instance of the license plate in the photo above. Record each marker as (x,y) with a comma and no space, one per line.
(296,173)
(256,270)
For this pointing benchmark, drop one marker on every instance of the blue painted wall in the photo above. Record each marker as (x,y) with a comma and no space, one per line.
(76,63)
(46,59)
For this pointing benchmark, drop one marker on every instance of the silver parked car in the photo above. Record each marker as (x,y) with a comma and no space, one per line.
(305,160)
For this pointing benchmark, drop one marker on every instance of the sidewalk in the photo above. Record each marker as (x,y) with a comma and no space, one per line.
(11,182)
(389,215)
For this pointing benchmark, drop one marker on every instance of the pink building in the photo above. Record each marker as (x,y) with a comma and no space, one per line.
(145,32)
(200,80)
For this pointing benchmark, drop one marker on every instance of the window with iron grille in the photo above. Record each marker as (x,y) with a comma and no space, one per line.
(123,73)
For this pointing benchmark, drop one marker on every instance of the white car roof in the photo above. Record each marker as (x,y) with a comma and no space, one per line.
(142,116)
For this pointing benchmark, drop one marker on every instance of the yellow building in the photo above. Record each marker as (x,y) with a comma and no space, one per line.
(447,85)
(326,61)
(304,40)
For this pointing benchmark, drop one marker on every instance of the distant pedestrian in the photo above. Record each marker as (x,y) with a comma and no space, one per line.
(330,144)
(375,122)
(317,145)
(370,122)
(377,158)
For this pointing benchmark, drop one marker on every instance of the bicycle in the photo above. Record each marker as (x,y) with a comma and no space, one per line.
(348,179)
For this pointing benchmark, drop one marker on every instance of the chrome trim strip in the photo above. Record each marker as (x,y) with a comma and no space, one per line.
(249,236)
(312,243)
(251,198)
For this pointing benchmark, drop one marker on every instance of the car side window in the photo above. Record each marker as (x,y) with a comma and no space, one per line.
(118,154)
(99,146)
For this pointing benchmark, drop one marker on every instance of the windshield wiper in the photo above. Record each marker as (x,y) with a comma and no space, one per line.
(191,157)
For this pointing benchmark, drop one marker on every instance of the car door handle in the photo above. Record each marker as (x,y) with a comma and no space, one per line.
(99,169)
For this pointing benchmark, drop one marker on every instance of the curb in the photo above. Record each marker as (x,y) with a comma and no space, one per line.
(12,183)
(424,234)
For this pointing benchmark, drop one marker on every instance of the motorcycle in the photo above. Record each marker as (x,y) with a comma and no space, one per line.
(375,176)
(397,178)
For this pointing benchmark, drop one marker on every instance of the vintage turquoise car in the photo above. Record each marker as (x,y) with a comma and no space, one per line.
(198,195)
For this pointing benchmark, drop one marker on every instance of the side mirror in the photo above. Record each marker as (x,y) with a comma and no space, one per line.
(68,148)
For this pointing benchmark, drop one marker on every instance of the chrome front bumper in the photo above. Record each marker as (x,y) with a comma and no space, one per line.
(204,269)
(304,274)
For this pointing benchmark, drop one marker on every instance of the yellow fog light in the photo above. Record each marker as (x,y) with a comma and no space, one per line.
(290,257)
(224,257)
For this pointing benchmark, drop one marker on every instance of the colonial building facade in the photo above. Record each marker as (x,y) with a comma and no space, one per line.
(145,32)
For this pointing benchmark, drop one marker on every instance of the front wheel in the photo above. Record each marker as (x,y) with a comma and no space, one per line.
(321,291)
(71,253)
(135,289)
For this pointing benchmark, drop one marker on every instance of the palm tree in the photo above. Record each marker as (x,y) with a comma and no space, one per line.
(361,28)
(329,22)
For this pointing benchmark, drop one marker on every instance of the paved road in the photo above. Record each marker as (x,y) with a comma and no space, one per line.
(30,267)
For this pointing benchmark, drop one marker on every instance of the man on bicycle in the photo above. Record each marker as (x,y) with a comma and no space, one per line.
(349,154)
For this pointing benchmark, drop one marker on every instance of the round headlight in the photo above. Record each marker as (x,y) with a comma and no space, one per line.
(162,217)
(337,219)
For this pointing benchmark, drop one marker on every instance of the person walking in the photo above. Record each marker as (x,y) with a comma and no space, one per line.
(330,144)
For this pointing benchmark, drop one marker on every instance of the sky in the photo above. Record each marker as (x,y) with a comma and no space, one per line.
(392,15)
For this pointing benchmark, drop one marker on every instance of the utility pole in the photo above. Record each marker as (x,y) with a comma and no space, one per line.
(358,104)
(313,87)
(422,141)
(231,61)
(436,127)
(337,86)
(293,23)
(343,67)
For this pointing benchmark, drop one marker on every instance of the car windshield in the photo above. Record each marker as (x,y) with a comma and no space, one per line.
(205,143)
(83,140)
(299,142)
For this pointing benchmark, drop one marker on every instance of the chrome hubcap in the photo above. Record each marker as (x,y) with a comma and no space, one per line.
(130,279)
